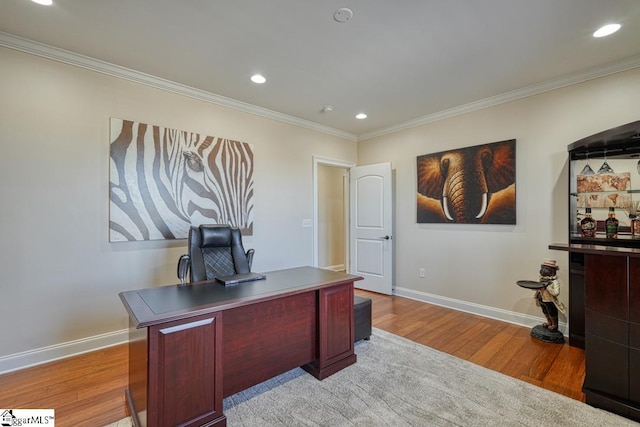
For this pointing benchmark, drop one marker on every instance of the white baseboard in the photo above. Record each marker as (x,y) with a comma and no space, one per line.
(14,362)
(338,267)
(26,359)
(480,310)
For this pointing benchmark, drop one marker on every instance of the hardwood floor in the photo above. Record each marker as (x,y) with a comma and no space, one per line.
(496,345)
(85,390)
(88,390)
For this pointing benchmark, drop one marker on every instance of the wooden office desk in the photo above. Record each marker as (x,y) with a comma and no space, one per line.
(191,346)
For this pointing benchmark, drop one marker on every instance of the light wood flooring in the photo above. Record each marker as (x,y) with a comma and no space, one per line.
(88,390)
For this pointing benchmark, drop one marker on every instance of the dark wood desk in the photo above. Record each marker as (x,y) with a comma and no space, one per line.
(191,346)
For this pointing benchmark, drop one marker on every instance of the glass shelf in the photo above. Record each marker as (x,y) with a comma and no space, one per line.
(574,194)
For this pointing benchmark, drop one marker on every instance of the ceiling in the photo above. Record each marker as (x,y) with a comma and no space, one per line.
(398,61)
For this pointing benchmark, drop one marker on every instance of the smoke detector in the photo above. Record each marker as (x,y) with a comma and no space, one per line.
(343,15)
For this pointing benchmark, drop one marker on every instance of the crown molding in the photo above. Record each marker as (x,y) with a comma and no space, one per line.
(564,81)
(71,58)
(46,51)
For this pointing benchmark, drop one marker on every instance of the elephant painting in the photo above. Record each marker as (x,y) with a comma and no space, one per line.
(473,185)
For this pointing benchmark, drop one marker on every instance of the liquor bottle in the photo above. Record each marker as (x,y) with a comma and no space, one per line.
(611,225)
(588,225)
(635,225)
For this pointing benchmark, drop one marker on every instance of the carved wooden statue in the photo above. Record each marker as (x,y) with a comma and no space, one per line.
(546,291)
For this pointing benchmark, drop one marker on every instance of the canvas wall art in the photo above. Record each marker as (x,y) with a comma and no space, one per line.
(472,185)
(164,180)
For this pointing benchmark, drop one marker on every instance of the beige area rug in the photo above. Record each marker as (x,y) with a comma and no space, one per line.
(397,382)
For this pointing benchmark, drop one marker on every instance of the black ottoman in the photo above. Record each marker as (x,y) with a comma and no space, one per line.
(361,318)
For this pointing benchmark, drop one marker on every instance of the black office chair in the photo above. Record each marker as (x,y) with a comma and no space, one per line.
(214,251)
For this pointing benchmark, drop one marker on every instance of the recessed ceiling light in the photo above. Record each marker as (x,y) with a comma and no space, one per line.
(257,78)
(361,116)
(606,30)
(43,2)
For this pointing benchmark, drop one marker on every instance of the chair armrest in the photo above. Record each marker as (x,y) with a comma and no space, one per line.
(250,253)
(184,262)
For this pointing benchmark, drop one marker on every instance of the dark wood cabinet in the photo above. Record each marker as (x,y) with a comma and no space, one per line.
(604,273)
(184,387)
(634,336)
(606,285)
(606,328)
(619,146)
(610,281)
(576,299)
(336,351)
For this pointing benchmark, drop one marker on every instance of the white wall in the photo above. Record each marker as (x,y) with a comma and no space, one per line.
(60,276)
(477,266)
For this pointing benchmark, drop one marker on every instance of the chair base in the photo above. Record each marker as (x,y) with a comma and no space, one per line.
(362,318)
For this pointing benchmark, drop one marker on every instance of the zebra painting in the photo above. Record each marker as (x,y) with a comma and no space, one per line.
(163,180)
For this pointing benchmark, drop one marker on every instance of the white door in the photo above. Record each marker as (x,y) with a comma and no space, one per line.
(371,225)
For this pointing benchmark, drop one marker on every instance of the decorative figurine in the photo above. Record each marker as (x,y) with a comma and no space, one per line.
(547,289)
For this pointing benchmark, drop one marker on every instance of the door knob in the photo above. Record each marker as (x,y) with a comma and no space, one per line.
(385,237)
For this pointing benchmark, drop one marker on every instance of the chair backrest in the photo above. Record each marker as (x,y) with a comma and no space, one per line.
(216,251)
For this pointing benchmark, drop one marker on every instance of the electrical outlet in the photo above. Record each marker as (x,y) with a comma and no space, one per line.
(421,273)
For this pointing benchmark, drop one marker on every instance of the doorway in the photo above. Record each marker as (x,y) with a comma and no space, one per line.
(356,235)
(331,214)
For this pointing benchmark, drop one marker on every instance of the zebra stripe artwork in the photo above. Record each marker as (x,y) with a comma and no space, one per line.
(163,180)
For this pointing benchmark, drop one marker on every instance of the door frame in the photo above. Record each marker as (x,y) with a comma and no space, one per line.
(323,161)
